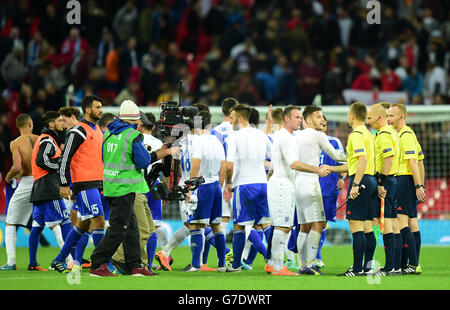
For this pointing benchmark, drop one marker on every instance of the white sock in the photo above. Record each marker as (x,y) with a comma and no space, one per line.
(57,232)
(302,249)
(10,244)
(177,238)
(162,236)
(224,226)
(313,245)
(278,245)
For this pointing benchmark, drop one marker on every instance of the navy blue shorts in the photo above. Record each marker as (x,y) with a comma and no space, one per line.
(250,206)
(209,205)
(89,204)
(406,196)
(50,213)
(363,208)
(390,201)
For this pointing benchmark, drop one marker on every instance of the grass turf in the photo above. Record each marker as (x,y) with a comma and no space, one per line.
(434,262)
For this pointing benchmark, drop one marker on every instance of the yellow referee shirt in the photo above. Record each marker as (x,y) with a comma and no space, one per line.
(409,148)
(360,142)
(386,145)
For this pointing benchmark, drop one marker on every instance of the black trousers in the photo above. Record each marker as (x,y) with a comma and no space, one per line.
(123,229)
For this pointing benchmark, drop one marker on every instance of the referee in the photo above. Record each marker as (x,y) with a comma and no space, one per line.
(362,204)
(387,149)
(410,179)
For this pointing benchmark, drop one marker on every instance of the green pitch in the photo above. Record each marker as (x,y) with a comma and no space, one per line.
(337,259)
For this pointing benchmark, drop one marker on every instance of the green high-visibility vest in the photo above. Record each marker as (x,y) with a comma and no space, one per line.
(120,175)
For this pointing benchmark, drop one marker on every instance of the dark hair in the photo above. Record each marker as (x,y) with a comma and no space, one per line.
(152,119)
(227,105)
(242,110)
(22,120)
(105,119)
(49,117)
(201,107)
(288,110)
(206,118)
(309,110)
(253,118)
(87,102)
(69,111)
(359,110)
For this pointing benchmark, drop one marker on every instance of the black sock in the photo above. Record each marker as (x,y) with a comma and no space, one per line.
(398,250)
(359,246)
(389,250)
(418,240)
(409,246)
(371,245)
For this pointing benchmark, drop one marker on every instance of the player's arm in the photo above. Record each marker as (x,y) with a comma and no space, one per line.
(231,156)
(44,157)
(329,149)
(420,191)
(342,169)
(322,171)
(16,167)
(195,169)
(222,172)
(360,169)
(422,172)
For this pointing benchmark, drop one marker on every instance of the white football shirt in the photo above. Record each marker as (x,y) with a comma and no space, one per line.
(284,153)
(185,156)
(310,143)
(210,152)
(248,149)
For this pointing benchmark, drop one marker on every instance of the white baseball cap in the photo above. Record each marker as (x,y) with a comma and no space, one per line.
(129,110)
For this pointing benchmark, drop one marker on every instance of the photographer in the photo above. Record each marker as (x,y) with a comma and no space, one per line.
(124,158)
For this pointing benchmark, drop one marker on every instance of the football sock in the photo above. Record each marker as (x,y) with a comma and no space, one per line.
(219,238)
(278,245)
(409,246)
(371,245)
(257,242)
(313,245)
(162,236)
(238,247)
(302,249)
(10,244)
(81,246)
(33,244)
(398,251)
(58,235)
(97,235)
(71,240)
(418,241)
(177,238)
(321,242)
(196,247)
(209,240)
(359,246)
(151,247)
(389,250)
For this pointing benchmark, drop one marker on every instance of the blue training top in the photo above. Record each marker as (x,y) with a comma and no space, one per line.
(328,184)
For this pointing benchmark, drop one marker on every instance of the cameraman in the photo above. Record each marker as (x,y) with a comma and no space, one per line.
(208,160)
(124,158)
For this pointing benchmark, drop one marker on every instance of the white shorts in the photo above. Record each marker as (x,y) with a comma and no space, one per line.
(308,198)
(280,197)
(20,208)
(227,207)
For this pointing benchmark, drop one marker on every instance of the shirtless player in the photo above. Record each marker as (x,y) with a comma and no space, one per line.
(20,208)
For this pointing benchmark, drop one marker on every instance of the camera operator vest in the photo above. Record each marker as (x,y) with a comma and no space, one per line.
(120,175)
